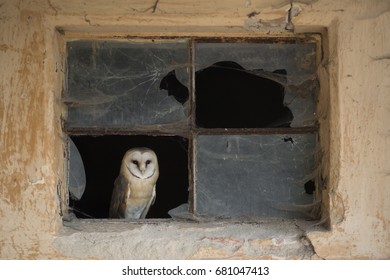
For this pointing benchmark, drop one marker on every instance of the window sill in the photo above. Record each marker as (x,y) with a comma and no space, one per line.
(175,239)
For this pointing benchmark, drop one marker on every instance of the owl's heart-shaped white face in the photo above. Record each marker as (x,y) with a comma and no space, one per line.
(141,163)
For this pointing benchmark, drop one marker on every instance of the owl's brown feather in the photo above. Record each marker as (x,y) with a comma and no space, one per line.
(119,196)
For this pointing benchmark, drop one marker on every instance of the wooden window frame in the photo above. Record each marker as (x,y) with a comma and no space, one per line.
(192,131)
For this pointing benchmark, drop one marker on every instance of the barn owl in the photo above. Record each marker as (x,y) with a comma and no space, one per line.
(135,188)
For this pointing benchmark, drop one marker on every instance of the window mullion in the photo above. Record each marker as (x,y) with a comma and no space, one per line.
(192,125)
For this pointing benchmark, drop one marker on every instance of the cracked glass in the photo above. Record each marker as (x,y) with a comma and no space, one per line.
(117,84)
(255,175)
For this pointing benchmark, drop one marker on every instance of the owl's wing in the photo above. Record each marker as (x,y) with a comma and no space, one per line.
(120,193)
(151,202)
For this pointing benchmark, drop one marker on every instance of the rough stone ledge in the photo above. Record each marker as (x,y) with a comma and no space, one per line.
(173,239)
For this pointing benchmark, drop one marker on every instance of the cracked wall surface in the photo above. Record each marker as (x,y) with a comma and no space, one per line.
(355,132)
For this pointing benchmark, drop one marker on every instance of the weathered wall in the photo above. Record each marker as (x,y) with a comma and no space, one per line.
(355,81)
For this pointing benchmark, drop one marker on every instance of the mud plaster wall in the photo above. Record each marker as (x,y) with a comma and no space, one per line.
(355,113)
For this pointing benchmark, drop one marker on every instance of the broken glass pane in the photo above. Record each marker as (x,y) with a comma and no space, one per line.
(292,66)
(117,84)
(254,175)
(101,157)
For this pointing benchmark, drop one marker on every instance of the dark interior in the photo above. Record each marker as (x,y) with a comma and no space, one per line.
(102,157)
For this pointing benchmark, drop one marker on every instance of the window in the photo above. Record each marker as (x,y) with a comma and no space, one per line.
(232,121)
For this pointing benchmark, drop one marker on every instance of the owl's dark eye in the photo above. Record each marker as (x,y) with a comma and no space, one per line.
(135,162)
(147,162)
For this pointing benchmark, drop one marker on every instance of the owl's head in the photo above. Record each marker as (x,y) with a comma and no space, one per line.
(141,162)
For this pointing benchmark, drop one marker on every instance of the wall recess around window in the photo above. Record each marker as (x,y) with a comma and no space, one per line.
(233,120)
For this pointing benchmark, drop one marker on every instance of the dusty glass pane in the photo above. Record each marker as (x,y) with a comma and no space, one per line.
(261,60)
(254,175)
(117,84)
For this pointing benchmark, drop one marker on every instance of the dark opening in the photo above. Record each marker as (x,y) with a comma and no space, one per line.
(288,139)
(229,96)
(310,187)
(102,157)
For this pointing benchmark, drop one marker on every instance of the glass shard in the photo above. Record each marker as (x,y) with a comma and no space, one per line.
(76,176)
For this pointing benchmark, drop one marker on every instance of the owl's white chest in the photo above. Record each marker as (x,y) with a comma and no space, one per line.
(141,194)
